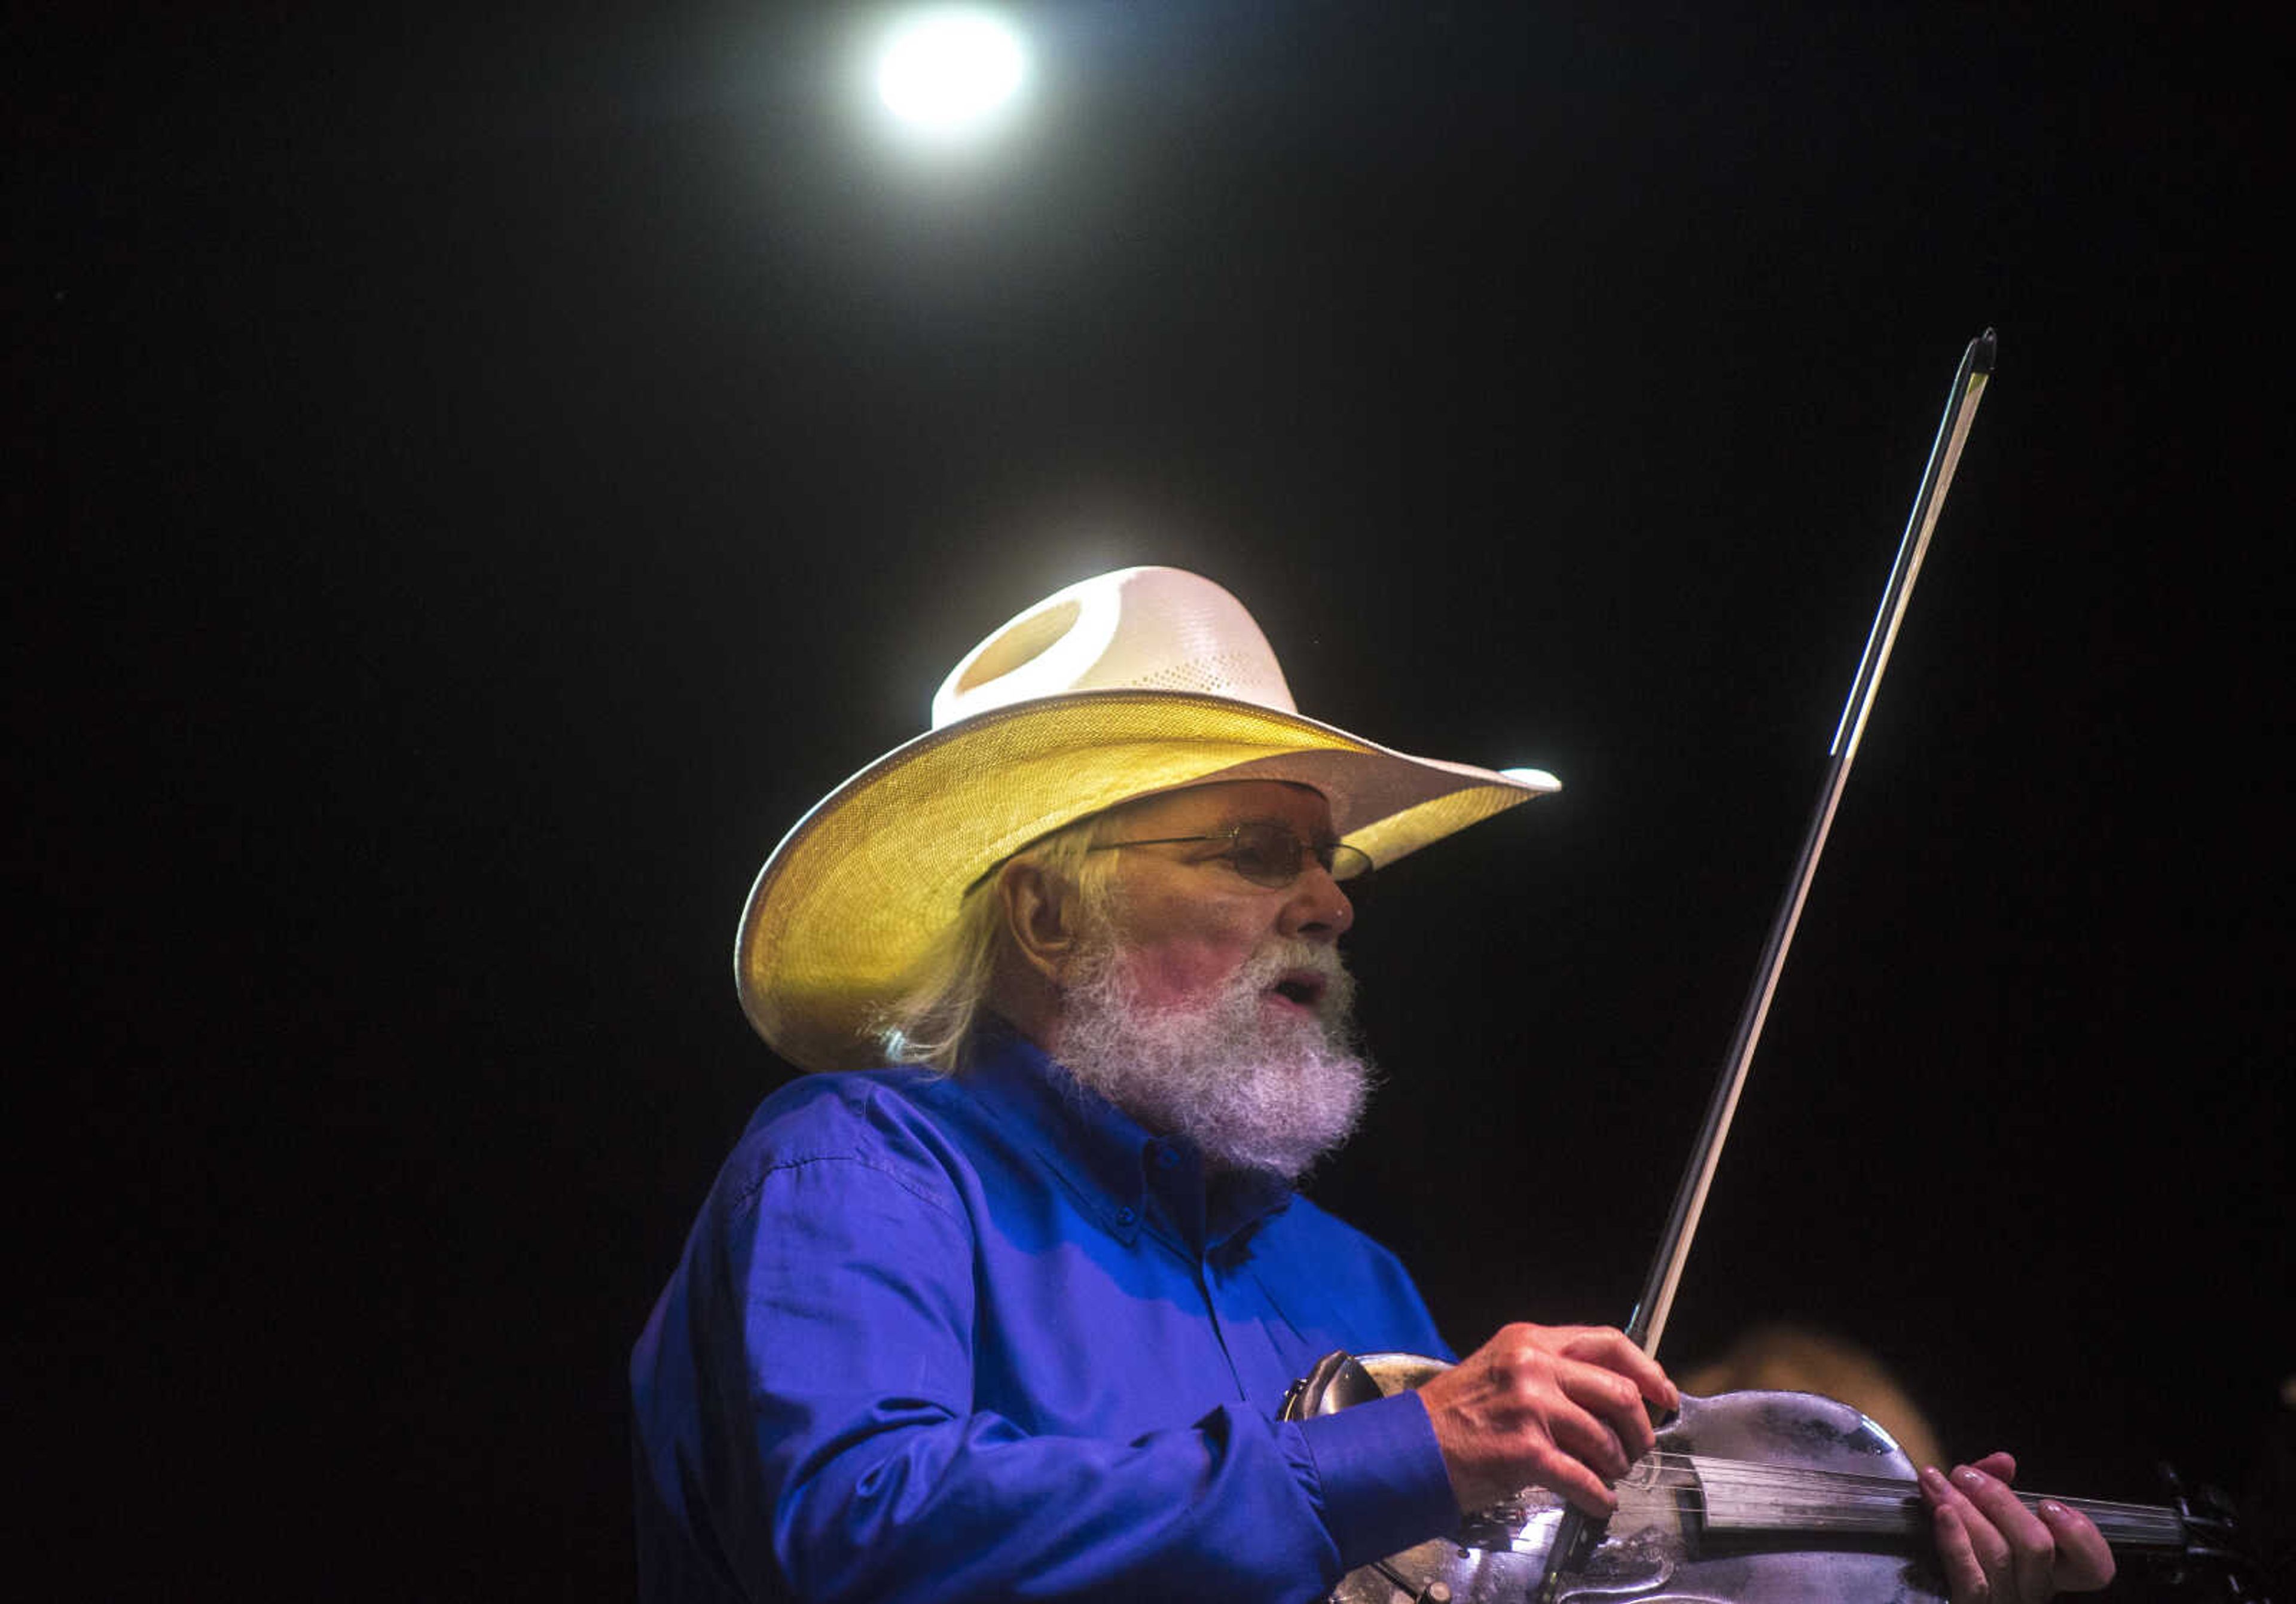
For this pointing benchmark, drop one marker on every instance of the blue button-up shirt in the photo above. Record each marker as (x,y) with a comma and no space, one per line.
(983,1337)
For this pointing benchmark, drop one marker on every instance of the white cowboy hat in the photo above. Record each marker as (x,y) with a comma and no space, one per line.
(1141,680)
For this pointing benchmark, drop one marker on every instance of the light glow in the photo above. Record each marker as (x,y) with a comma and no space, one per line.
(950,70)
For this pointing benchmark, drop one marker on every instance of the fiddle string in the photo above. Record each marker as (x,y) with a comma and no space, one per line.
(1795,1486)
(1752,1493)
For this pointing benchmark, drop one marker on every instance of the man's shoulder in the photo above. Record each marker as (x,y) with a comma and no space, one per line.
(928,1129)
(832,1094)
(846,1114)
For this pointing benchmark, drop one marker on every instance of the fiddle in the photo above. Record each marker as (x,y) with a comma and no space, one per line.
(1749,1495)
(1766,1495)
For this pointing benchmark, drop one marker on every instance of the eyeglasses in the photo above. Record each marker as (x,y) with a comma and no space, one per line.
(1269,855)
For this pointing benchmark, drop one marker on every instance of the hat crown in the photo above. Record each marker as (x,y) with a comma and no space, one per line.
(1135,629)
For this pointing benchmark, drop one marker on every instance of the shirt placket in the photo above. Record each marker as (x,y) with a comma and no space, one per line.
(1175,1180)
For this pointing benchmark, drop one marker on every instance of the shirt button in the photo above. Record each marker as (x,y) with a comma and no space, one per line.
(1126,1215)
(1166,1158)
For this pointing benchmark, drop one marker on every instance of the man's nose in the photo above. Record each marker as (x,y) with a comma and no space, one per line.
(1318,910)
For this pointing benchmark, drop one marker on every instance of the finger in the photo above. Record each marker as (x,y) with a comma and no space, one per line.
(1974,1534)
(2084,1559)
(1615,1351)
(1994,1551)
(1965,1578)
(1553,1469)
(1587,1440)
(2032,1546)
(1612,1398)
(2000,1464)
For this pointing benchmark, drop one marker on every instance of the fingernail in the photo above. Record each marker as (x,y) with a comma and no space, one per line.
(1932,1479)
(2050,1506)
(1968,1477)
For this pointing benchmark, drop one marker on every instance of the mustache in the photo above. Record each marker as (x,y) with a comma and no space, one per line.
(1289,961)
(1255,1088)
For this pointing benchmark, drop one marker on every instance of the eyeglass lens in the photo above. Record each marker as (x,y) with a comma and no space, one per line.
(1270,855)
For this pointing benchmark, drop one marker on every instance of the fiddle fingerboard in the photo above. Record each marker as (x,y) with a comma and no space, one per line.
(1737,1495)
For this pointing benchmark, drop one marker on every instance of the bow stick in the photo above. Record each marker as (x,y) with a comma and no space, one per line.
(1648,1323)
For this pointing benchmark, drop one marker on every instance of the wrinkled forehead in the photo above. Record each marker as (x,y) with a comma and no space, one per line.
(1211,808)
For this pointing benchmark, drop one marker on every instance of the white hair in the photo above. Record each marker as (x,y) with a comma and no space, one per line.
(932,1019)
(1252,1089)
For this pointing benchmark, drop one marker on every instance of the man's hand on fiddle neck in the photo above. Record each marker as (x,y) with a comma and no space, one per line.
(1995,1548)
(1560,1407)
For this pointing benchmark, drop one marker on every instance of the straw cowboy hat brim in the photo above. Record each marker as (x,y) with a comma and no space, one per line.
(858,892)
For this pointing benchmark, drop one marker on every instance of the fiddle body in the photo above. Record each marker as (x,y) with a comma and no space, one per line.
(1770,1495)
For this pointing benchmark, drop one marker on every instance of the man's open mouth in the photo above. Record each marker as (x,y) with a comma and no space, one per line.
(1300,988)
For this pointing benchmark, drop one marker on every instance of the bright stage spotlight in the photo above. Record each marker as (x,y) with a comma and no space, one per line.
(950,71)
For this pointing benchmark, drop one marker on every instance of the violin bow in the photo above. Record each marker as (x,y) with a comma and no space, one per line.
(1648,1323)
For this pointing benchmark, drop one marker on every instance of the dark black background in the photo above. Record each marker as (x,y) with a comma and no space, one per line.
(477,479)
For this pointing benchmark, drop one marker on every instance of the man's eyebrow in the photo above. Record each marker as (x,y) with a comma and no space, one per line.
(1314,838)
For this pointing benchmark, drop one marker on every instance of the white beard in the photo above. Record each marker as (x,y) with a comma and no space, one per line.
(1254,1088)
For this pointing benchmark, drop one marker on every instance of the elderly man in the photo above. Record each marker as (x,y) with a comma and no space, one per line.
(1015,1316)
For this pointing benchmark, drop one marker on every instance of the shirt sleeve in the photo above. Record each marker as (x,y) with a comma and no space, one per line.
(863,1472)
